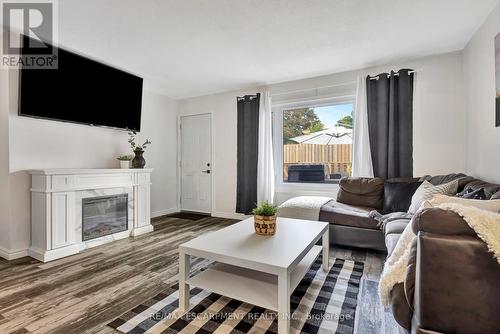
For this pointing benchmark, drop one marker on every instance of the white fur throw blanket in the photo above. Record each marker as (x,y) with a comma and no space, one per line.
(303,207)
(486,224)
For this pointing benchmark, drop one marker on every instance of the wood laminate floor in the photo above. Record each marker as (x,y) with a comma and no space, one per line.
(84,292)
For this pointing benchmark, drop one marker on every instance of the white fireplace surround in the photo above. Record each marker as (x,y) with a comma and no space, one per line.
(56,207)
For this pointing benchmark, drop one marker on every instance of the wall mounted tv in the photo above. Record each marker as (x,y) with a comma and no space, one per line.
(83,91)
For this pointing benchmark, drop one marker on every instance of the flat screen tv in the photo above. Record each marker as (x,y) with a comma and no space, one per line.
(83,91)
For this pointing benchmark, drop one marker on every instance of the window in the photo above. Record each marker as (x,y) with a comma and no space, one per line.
(316,144)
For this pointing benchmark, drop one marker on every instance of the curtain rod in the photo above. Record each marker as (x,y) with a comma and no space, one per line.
(314,88)
(396,74)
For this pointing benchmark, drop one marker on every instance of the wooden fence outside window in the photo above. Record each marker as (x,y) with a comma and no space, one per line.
(337,158)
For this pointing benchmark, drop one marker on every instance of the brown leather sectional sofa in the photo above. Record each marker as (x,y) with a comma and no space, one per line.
(452,283)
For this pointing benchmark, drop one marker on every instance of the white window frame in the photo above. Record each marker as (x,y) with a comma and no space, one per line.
(278,108)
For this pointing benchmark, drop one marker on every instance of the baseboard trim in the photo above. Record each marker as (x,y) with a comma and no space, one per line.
(12,255)
(53,254)
(141,230)
(165,212)
(229,215)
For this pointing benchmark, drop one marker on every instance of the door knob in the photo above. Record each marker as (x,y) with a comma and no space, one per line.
(206,171)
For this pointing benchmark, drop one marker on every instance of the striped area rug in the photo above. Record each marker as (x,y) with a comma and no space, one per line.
(321,303)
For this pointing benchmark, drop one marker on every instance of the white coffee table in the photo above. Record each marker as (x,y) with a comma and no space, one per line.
(260,270)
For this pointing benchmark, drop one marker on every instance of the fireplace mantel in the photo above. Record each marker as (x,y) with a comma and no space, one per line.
(72,171)
(56,207)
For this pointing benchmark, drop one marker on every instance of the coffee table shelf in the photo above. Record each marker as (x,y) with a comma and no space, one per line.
(254,287)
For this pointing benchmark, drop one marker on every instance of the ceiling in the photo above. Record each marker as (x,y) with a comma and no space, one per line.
(186,48)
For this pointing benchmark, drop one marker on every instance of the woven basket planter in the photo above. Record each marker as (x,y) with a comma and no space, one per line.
(265,225)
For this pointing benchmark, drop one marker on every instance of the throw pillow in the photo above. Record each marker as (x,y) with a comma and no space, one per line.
(361,191)
(426,191)
(470,193)
(397,195)
(492,205)
(464,192)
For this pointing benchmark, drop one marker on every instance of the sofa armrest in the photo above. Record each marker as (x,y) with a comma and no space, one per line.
(456,282)
(439,221)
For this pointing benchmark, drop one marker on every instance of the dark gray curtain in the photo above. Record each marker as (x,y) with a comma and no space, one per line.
(248,143)
(390,123)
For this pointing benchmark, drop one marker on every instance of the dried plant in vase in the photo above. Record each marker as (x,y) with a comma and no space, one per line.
(265,218)
(138,161)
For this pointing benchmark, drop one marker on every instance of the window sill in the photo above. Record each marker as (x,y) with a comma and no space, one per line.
(307,188)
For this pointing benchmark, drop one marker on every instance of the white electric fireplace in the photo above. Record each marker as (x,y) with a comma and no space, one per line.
(74,209)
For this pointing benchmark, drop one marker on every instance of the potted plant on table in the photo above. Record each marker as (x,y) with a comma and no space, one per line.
(124,161)
(138,161)
(265,218)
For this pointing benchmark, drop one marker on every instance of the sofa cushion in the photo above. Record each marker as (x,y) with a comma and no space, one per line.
(348,215)
(361,191)
(470,193)
(390,242)
(402,293)
(397,195)
(441,179)
(400,308)
(395,226)
(491,188)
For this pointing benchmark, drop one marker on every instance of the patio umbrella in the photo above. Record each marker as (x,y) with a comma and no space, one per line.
(332,136)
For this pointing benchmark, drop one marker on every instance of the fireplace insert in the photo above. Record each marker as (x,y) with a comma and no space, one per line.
(104,215)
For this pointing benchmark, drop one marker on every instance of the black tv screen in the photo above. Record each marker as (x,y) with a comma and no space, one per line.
(81,90)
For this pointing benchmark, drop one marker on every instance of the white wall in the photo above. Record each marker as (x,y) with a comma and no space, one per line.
(159,123)
(224,119)
(35,143)
(439,124)
(4,163)
(483,138)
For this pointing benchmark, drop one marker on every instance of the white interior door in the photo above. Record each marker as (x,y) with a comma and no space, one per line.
(196,164)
